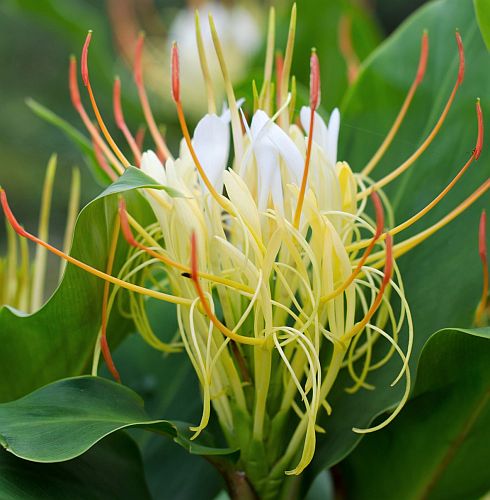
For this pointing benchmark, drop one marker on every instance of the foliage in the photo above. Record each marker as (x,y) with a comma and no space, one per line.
(452,372)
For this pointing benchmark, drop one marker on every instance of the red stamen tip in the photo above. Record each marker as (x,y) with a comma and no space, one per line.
(461,58)
(140,137)
(73,84)
(479,141)
(138,56)
(10,216)
(106,353)
(389,259)
(175,73)
(424,55)
(279,67)
(380,217)
(84,61)
(194,266)
(315,90)
(482,237)
(118,114)
(125,227)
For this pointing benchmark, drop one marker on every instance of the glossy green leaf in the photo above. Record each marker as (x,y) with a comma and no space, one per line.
(134,178)
(58,340)
(482,8)
(438,447)
(438,291)
(145,370)
(80,141)
(111,469)
(64,419)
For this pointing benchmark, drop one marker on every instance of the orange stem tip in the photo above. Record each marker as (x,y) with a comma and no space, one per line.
(379,213)
(175,73)
(73,84)
(424,55)
(125,227)
(116,101)
(479,141)
(101,160)
(315,89)
(140,137)
(106,353)
(84,61)
(482,237)
(459,41)
(138,57)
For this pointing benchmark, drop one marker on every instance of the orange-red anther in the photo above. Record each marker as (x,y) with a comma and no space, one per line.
(116,101)
(479,141)
(459,41)
(140,137)
(125,227)
(138,56)
(424,54)
(175,73)
(194,265)
(121,123)
(347,48)
(482,237)
(388,263)
(10,216)
(72,82)
(279,72)
(101,160)
(379,213)
(85,59)
(106,352)
(315,89)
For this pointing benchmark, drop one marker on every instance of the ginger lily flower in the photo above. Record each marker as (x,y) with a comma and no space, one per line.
(282,273)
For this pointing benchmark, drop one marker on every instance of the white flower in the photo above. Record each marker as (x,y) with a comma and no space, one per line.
(325,136)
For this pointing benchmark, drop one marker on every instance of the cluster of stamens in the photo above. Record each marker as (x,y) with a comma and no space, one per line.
(280,276)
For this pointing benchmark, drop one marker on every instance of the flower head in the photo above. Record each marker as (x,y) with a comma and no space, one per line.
(276,255)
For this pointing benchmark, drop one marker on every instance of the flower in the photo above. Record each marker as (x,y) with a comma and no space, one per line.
(282,273)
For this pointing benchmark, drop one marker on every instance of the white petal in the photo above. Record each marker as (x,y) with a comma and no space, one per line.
(267,163)
(320,131)
(211,142)
(263,129)
(225,112)
(152,166)
(276,190)
(288,151)
(333,136)
(259,120)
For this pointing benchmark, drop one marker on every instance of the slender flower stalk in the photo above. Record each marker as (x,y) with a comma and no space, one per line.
(22,281)
(280,273)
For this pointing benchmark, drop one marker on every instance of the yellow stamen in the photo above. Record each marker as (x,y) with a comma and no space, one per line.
(204,67)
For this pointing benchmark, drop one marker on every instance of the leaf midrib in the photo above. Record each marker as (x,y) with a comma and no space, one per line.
(453,448)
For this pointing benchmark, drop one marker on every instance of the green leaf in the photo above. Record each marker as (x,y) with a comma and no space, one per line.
(143,369)
(58,340)
(80,141)
(438,447)
(437,290)
(482,8)
(111,469)
(64,419)
(134,178)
